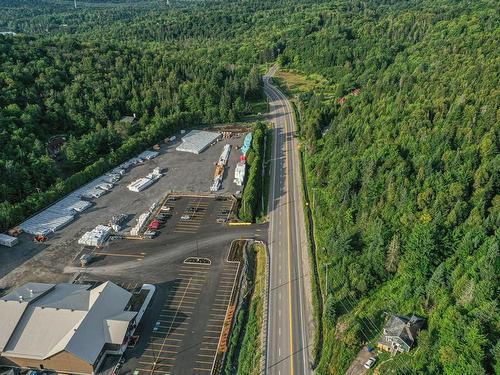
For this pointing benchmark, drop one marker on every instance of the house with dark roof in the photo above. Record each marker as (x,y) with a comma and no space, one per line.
(66,328)
(400,333)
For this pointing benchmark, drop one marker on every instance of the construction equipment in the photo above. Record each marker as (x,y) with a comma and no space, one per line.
(40,238)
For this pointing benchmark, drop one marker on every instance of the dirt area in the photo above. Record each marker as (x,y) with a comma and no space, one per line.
(184,172)
(357,366)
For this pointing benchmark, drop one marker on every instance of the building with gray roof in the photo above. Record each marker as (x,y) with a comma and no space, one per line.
(196,141)
(400,333)
(65,328)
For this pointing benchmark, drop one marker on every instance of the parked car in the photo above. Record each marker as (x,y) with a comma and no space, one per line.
(370,362)
(166,209)
(151,234)
(162,217)
(155,224)
(185,217)
(221,220)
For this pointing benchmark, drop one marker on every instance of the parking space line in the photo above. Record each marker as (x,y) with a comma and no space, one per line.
(172,297)
(172,345)
(220,304)
(218,309)
(217,316)
(156,371)
(210,331)
(202,369)
(152,356)
(156,364)
(188,313)
(201,275)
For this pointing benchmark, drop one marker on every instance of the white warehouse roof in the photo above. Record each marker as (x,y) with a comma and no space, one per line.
(40,320)
(196,141)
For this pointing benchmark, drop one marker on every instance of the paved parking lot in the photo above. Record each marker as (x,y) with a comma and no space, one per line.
(188,214)
(182,332)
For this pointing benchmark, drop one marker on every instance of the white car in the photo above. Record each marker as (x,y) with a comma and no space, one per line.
(185,217)
(370,362)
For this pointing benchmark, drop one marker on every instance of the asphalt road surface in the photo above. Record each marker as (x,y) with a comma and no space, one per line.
(287,338)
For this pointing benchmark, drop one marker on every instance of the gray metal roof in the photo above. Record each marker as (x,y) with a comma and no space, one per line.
(197,140)
(66,317)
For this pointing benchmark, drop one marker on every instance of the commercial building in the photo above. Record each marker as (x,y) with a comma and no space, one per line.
(66,328)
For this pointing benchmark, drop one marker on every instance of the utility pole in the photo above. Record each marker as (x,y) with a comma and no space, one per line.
(326,265)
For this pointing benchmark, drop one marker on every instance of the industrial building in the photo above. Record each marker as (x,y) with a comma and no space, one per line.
(196,141)
(66,328)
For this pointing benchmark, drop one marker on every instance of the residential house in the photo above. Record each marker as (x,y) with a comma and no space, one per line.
(400,333)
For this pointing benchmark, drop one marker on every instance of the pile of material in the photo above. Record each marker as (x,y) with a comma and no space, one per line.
(8,241)
(116,220)
(239,173)
(140,223)
(64,211)
(96,237)
(247,143)
(143,183)
(219,169)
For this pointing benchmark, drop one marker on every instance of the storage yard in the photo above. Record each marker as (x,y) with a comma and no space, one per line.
(130,231)
(73,216)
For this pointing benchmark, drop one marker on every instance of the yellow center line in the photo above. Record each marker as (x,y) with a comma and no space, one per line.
(289,246)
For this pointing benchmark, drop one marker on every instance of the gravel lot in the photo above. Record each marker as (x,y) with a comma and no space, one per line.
(184,172)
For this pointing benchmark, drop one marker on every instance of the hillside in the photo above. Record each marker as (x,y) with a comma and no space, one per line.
(404,179)
(398,107)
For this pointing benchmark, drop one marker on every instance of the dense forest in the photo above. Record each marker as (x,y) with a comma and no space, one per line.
(80,88)
(403,166)
(398,124)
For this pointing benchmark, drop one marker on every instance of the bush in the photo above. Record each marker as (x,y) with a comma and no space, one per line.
(253,188)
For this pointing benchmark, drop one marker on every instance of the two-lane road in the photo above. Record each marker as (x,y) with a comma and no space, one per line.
(288,313)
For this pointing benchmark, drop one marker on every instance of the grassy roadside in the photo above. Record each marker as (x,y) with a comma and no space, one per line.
(245,350)
(317,300)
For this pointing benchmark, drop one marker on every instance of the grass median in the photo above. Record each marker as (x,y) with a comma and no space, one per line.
(245,350)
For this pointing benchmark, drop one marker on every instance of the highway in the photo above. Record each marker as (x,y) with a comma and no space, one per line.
(288,319)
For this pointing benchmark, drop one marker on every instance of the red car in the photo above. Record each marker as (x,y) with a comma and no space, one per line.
(155,224)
